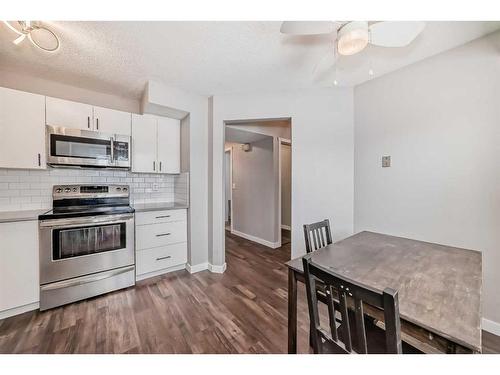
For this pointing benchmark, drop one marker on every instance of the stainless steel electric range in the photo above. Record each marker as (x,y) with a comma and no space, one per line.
(86,243)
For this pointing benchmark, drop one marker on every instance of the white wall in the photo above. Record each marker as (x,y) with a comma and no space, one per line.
(254,203)
(322,158)
(286,184)
(440,122)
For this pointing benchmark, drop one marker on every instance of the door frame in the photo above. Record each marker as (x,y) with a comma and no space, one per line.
(281,141)
(230,151)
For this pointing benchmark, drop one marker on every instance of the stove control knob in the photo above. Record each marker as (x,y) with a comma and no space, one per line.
(74,190)
(67,190)
(58,190)
(124,189)
(118,189)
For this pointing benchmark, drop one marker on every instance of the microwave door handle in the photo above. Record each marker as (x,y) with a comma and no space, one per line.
(112,150)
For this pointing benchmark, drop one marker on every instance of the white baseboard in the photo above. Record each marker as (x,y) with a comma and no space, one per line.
(216,268)
(272,245)
(197,267)
(160,272)
(287,227)
(491,326)
(19,310)
(206,266)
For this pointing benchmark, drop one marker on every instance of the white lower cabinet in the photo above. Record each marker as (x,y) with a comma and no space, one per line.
(161,242)
(19,269)
(158,258)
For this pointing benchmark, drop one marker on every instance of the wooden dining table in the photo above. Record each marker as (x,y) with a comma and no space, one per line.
(439,288)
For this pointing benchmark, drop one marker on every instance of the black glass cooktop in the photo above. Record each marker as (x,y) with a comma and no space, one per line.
(70,212)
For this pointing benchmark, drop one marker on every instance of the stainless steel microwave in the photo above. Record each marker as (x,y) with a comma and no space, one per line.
(84,148)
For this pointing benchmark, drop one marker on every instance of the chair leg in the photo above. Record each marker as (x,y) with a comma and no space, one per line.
(311,343)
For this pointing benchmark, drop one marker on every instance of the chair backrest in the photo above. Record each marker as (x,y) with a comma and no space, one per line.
(342,293)
(317,235)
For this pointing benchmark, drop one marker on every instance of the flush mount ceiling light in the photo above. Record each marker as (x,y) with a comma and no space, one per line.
(38,35)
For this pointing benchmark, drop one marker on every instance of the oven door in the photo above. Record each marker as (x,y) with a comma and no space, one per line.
(80,246)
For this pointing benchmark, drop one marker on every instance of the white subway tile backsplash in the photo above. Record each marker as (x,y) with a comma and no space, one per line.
(32,189)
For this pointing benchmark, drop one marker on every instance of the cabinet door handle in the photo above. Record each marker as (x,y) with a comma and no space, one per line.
(162,216)
(88,122)
(163,234)
(39,160)
(154,166)
(97,123)
(166,257)
(160,166)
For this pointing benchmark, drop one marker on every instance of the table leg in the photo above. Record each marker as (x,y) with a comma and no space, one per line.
(292,312)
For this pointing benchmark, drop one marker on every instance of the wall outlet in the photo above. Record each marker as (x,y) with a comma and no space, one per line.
(386,161)
(155,187)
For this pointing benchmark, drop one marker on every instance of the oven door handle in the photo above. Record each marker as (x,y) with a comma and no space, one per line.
(86,279)
(83,221)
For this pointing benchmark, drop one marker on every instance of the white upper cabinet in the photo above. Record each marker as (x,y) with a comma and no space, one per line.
(144,130)
(111,121)
(156,143)
(22,129)
(69,114)
(169,145)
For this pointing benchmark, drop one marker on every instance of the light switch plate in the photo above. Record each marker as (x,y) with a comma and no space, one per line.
(386,161)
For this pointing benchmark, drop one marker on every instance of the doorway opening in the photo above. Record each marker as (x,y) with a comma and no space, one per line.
(257,181)
(285,188)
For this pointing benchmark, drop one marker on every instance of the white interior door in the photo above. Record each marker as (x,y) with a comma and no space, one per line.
(111,121)
(22,129)
(144,129)
(68,114)
(169,145)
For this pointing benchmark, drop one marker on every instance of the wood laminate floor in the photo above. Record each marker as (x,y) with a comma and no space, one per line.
(243,310)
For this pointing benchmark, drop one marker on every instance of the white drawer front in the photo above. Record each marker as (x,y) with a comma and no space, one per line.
(155,235)
(155,217)
(151,260)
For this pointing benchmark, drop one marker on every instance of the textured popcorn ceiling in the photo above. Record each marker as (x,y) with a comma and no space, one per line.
(213,57)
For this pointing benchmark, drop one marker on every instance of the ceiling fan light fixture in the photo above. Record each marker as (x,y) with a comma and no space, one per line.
(353,38)
(19,39)
(40,36)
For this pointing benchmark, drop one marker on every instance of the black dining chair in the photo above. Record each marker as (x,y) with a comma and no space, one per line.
(317,235)
(350,336)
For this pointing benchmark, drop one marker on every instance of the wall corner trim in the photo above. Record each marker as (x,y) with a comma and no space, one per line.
(491,326)
(272,245)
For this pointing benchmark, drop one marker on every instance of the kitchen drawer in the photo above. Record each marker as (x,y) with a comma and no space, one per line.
(155,235)
(154,217)
(151,260)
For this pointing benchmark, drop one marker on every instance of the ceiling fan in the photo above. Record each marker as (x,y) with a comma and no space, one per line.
(40,36)
(353,36)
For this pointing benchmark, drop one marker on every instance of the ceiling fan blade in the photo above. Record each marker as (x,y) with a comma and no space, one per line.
(307,27)
(395,33)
